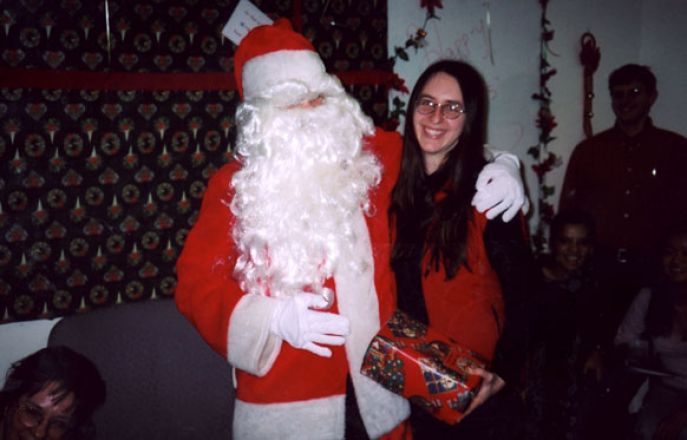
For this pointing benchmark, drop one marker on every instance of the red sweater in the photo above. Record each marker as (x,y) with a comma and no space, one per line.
(468,308)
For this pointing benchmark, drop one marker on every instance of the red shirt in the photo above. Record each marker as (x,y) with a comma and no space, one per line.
(634,187)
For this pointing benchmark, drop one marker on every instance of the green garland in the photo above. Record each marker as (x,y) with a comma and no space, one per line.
(416,41)
(545,160)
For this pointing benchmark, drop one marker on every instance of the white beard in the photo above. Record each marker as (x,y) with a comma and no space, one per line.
(304,176)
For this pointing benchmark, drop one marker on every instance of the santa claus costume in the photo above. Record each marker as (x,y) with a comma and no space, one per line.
(303,209)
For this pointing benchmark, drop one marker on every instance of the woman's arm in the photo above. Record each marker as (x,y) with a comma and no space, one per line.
(633,324)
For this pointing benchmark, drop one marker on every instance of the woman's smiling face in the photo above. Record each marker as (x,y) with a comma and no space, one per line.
(674,258)
(436,134)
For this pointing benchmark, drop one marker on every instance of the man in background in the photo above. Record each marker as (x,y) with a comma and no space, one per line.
(632,178)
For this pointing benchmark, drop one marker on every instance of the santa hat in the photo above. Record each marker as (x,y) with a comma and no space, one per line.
(273,54)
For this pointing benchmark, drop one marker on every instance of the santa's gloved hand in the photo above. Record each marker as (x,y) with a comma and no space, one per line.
(297,324)
(500,188)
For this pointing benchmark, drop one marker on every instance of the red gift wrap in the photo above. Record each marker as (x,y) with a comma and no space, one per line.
(428,368)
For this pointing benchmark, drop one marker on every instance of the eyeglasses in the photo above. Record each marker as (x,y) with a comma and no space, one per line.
(32,416)
(626,93)
(449,110)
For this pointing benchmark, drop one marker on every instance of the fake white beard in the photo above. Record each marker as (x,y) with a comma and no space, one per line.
(304,175)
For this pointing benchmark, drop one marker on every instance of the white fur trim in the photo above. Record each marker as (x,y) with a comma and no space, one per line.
(266,71)
(251,346)
(317,419)
(380,409)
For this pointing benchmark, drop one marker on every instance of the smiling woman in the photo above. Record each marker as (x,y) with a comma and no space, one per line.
(653,334)
(51,394)
(455,270)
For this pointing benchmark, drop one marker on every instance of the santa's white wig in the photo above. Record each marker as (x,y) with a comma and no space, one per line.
(304,176)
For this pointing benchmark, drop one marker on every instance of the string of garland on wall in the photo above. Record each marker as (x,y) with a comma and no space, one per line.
(545,160)
(415,41)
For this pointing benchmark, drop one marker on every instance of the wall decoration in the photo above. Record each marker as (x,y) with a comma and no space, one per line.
(415,41)
(590,55)
(545,160)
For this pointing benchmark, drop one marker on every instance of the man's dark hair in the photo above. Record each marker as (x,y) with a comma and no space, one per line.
(630,73)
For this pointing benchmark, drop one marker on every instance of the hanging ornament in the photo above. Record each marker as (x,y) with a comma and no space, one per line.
(590,56)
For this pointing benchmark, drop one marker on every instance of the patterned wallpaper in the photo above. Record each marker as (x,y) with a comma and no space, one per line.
(106,145)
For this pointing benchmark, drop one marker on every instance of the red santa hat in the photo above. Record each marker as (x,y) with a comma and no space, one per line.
(272,54)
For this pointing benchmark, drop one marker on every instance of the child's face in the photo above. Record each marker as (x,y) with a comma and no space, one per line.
(572,247)
(674,258)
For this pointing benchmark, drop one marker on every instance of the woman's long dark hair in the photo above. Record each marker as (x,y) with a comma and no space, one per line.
(423,224)
(659,317)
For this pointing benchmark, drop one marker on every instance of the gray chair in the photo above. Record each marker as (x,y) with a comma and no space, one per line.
(163,380)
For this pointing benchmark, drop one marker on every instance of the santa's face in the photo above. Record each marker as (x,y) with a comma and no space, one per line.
(304,176)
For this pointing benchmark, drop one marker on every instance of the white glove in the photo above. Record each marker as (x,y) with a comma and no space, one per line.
(303,328)
(500,188)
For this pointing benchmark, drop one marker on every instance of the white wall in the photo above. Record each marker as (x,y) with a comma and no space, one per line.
(20,339)
(649,32)
(509,65)
(662,46)
(615,25)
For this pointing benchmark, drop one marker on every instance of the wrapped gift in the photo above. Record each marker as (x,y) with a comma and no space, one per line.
(426,367)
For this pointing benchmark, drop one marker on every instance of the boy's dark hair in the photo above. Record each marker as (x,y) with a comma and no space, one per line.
(572,217)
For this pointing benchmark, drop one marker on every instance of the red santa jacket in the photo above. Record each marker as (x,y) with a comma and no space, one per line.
(282,391)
